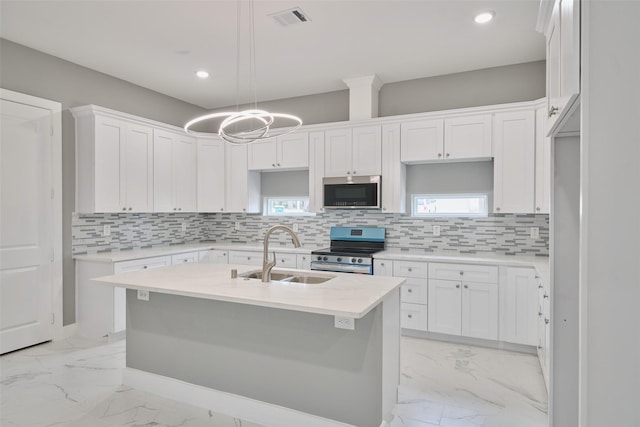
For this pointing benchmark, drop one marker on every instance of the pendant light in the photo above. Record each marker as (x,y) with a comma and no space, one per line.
(258,123)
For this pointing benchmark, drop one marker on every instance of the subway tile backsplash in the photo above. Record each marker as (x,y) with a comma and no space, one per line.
(505,234)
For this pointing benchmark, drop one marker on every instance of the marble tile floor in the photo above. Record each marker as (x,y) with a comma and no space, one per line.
(76,383)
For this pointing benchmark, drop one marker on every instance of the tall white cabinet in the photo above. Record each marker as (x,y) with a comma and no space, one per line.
(175,176)
(211,175)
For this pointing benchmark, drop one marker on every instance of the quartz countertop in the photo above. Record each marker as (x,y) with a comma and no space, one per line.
(347,295)
(540,263)
(128,255)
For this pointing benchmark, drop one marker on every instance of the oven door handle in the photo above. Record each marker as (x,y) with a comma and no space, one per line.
(328,266)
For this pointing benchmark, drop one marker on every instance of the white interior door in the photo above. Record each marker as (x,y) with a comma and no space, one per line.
(26,242)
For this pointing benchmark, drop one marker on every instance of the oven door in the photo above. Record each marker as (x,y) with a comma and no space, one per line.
(361,192)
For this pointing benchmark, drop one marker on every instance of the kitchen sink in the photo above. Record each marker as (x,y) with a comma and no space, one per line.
(290,276)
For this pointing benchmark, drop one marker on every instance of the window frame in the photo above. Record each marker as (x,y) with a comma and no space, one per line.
(266,206)
(483,214)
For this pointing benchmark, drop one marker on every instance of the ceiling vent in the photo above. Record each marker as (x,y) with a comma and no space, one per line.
(290,17)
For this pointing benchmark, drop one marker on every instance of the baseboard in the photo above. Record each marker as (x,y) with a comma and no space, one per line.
(224,403)
(501,345)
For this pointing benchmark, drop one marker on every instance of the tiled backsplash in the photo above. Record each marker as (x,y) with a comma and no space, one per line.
(506,234)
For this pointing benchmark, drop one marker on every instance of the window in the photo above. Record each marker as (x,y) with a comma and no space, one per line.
(286,206)
(431,205)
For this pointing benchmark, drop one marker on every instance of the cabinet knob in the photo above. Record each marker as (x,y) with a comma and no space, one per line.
(244,209)
(439,154)
(539,314)
(384,209)
(179,209)
(409,316)
(224,254)
(457,286)
(409,290)
(546,321)
(382,264)
(539,347)
(124,209)
(553,111)
(221,209)
(354,172)
(184,260)
(409,269)
(278,164)
(462,273)
(145,267)
(497,209)
(545,296)
(466,286)
(304,258)
(538,209)
(447,154)
(273,165)
(281,261)
(174,209)
(348,173)
(539,286)
(130,208)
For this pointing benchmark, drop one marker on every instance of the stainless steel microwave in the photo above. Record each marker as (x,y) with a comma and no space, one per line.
(352,192)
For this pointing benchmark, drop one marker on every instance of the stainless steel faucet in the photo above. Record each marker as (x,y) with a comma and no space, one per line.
(267,265)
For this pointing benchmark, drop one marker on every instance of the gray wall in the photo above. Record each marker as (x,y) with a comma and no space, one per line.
(35,73)
(28,71)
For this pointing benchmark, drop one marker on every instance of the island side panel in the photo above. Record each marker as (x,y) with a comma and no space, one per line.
(288,358)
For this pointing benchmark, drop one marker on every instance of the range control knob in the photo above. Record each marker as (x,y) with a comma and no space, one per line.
(319,257)
(359,260)
(339,259)
(353,260)
(325,258)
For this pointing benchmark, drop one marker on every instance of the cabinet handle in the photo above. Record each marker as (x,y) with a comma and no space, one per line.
(553,111)
(466,286)
(382,264)
(546,321)
(539,314)
(409,316)
(439,154)
(539,286)
(545,296)
(457,286)
(539,347)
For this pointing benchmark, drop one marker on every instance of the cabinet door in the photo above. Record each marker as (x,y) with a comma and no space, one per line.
(303,262)
(211,175)
(413,316)
(316,171)
(242,188)
(382,267)
(109,144)
(183,174)
(285,260)
(468,137)
(569,50)
(414,291)
(445,306)
(422,141)
(137,165)
(513,168)
(162,173)
(337,152)
(543,165)
(262,155)
(553,67)
(245,258)
(293,151)
(367,151)
(215,256)
(519,310)
(480,310)
(394,172)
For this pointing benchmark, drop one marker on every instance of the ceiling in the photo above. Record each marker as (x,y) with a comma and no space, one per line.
(160,44)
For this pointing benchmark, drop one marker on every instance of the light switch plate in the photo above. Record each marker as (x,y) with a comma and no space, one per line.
(534,232)
(345,323)
(237,226)
(295,227)
(436,230)
(184,226)
(143,295)
(106,230)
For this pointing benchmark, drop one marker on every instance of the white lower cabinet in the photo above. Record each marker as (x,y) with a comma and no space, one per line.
(303,261)
(245,257)
(283,259)
(382,267)
(102,308)
(413,316)
(462,307)
(519,306)
(215,256)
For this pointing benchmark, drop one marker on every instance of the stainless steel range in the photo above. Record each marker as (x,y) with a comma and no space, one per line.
(351,250)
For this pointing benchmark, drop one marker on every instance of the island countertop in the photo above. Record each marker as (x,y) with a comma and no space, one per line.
(346,295)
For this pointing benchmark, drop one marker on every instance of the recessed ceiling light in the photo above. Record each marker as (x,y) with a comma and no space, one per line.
(484,17)
(202,74)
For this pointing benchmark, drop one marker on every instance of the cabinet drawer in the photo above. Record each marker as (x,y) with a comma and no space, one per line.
(414,291)
(185,258)
(413,316)
(383,267)
(244,257)
(463,272)
(285,260)
(304,261)
(410,269)
(141,264)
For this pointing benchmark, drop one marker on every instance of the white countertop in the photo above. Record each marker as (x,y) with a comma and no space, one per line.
(347,295)
(128,255)
(540,263)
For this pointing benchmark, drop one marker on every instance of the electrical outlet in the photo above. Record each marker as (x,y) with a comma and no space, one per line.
(143,295)
(534,232)
(106,230)
(237,226)
(344,323)
(436,230)
(184,226)
(295,227)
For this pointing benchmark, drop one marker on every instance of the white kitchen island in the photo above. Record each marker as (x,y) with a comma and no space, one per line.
(265,352)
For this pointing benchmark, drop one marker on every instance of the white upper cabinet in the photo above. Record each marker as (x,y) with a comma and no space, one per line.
(242,188)
(211,175)
(467,137)
(563,59)
(356,151)
(543,165)
(316,171)
(175,175)
(422,141)
(456,138)
(394,173)
(514,161)
(285,152)
(114,161)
